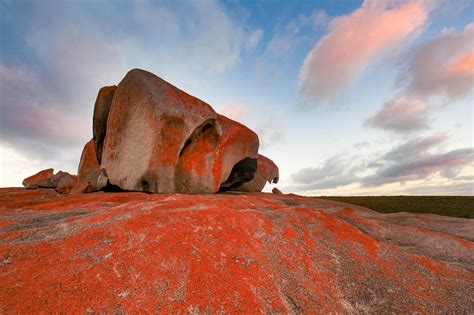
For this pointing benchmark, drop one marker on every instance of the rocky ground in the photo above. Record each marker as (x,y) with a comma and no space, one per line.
(227,253)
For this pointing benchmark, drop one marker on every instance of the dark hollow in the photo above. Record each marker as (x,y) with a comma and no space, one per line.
(242,172)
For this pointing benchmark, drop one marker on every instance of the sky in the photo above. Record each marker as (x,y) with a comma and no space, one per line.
(369,97)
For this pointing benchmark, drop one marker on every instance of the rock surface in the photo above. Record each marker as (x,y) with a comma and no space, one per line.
(150,136)
(64,182)
(267,171)
(149,123)
(236,144)
(99,121)
(245,253)
(88,170)
(41,179)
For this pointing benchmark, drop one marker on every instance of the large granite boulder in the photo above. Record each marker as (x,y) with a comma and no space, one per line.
(160,139)
(148,126)
(150,136)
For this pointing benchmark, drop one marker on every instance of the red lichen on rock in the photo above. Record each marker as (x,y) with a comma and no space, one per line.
(88,170)
(254,253)
(41,179)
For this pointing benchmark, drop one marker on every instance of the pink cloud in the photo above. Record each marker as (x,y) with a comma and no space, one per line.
(355,40)
(401,115)
(443,66)
(234,111)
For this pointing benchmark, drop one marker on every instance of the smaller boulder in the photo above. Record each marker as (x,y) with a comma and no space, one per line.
(267,171)
(276,191)
(41,179)
(89,168)
(64,182)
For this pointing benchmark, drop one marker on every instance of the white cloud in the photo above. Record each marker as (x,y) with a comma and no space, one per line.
(401,115)
(49,85)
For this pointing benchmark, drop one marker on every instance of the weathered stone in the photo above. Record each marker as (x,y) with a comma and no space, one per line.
(267,171)
(276,191)
(64,182)
(196,160)
(41,179)
(102,180)
(88,170)
(234,254)
(148,126)
(238,145)
(160,139)
(99,122)
(218,157)
(82,188)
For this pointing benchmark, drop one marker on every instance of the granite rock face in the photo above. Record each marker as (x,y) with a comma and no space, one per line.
(88,170)
(160,139)
(99,121)
(150,136)
(64,182)
(267,172)
(227,253)
(41,179)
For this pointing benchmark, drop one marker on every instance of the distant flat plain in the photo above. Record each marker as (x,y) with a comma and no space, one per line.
(453,206)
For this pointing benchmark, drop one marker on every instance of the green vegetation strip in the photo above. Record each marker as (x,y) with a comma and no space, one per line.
(453,206)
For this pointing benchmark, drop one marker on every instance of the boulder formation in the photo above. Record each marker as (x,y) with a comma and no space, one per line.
(267,171)
(89,168)
(223,253)
(150,136)
(160,139)
(62,182)
(42,179)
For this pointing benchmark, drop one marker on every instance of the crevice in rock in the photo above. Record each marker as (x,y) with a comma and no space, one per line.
(206,130)
(112,188)
(242,172)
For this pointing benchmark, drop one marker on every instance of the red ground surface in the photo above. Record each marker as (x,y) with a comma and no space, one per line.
(247,253)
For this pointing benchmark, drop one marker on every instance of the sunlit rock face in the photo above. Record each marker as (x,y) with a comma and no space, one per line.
(88,170)
(160,139)
(267,172)
(150,136)
(99,121)
(257,253)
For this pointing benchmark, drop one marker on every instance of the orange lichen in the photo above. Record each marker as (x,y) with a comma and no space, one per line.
(127,252)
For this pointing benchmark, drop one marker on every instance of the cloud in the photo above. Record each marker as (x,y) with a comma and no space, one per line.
(412,160)
(414,147)
(409,161)
(421,167)
(333,172)
(354,41)
(270,130)
(401,115)
(52,68)
(234,111)
(286,40)
(196,35)
(443,66)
